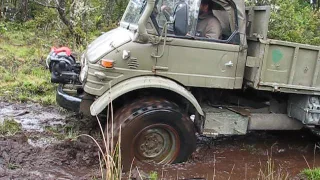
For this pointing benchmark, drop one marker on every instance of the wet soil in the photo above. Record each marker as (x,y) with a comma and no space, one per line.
(247,157)
(38,153)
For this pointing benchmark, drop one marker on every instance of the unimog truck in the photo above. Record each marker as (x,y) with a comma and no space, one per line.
(163,85)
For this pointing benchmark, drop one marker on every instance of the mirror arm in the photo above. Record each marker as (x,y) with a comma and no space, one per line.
(165,31)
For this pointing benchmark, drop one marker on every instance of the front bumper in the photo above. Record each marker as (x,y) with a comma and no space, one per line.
(67,100)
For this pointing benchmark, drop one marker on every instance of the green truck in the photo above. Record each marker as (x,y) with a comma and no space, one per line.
(163,86)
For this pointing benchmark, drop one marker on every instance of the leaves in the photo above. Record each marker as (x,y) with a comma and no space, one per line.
(293,20)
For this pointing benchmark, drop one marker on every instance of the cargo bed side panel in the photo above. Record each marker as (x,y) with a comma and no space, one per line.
(286,67)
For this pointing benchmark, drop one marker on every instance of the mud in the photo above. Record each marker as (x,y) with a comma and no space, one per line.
(247,157)
(37,152)
(64,160)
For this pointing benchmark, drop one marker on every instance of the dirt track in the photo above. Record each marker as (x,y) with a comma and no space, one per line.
(38,153)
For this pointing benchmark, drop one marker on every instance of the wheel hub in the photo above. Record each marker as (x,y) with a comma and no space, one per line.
(153,143)
(156,143)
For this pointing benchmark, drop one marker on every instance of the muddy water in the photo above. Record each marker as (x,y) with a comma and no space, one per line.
(247,157)
(36,154)
(32,117)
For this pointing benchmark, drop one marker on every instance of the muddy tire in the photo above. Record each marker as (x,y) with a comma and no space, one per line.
(153,130)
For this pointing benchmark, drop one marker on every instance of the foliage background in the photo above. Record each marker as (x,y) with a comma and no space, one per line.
(77,22)
(293,20)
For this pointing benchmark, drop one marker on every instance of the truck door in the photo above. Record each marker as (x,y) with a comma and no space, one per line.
(200,63)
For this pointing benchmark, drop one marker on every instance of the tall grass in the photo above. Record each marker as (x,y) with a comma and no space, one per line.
(312,173)
(109,153)
(271,171)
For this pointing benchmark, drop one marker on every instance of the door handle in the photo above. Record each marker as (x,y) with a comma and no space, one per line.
(229,64)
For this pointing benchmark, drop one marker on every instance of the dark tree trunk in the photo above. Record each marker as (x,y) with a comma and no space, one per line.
(63,16)
(24,10)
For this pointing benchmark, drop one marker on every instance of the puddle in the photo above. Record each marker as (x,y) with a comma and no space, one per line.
(32,117)
(244,157)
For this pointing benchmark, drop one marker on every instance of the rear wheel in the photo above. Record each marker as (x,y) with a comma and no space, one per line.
(153,130)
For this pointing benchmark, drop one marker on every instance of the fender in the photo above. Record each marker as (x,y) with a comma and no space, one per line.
(140,83)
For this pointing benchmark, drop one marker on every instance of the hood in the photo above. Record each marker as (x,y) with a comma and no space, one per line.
(107,43)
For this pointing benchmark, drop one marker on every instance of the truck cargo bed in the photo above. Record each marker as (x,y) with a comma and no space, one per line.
(282,66)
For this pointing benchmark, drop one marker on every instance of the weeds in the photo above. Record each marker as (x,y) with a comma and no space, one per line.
(63,133)
(153,175)
(271,172)
(23,75)
(312,174)
(9,127)
(12,166)
(109,155)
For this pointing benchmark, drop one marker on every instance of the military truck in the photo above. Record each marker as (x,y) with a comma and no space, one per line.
(163,85)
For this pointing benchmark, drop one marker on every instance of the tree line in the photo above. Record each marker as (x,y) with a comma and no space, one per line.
(291,20)
(79,17)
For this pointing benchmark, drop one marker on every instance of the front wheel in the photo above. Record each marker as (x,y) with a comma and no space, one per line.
(153,130)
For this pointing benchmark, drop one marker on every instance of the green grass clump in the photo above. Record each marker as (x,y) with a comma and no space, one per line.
(9,127)
(312,174)
(153,175)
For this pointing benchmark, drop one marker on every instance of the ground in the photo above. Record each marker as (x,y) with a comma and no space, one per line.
(47,146)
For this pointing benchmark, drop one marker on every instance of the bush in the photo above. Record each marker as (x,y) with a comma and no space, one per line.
(292,20)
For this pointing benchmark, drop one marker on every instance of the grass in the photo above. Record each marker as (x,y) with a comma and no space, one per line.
(9,127)
(271,172)
(23,74)
(23,52)
(12,166)
(109,152)
(63,133)
(312,174)
(153,175)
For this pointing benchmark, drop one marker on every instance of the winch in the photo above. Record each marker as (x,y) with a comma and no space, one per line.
(63,66)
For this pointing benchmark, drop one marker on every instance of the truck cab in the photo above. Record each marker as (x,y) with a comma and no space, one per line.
(165,84)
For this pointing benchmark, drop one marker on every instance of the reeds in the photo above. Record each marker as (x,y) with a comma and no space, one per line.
(270,171)
(109,152)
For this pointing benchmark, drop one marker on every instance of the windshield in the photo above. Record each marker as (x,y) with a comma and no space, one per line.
(133,13)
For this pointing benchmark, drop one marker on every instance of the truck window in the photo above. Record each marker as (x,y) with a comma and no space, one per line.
(163,13)
(217,19)
(215,25)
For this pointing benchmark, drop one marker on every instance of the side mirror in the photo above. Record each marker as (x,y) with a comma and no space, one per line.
(180,24)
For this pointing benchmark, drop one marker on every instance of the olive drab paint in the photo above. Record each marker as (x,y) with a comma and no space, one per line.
(146,57)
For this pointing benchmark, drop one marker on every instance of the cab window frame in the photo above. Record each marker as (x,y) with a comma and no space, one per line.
(234,38)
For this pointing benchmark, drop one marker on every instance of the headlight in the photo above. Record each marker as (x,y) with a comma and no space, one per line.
(83,60)
(84,70)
